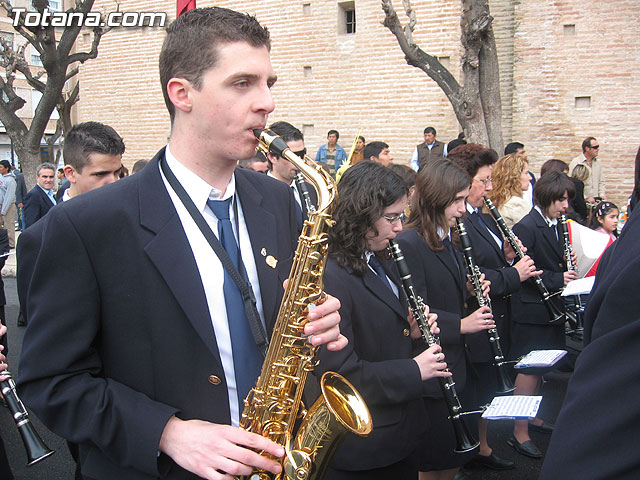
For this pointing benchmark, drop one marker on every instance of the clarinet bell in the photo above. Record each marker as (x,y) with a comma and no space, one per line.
(505,384)
(464,440)
(36,449)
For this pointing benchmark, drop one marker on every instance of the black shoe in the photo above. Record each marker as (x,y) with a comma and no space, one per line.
(492,461)
(21,321)
(542,428)
(527,448)
(461,475)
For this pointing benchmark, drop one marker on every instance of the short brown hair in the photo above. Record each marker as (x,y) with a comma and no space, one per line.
(550,187)
(472,156)
(190,47)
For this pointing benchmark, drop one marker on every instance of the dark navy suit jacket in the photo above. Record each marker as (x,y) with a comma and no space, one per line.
(504,279)
(36,205)
(546,251)
(122,339)
(442,286)
(597,430)
(378,362)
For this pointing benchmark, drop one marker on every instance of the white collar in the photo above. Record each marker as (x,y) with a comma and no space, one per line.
(549,221)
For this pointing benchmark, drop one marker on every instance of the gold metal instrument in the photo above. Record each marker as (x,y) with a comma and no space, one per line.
(273,407)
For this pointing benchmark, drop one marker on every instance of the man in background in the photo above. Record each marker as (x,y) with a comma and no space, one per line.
(378,152)
(594,184)
(40,198)
(21,192)
(285,171)
(8,201)
(430,149)
(332,154)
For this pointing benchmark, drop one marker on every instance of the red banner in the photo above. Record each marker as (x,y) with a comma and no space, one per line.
(184,5)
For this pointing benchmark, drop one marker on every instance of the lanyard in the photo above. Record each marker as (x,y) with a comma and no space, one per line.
(257,329)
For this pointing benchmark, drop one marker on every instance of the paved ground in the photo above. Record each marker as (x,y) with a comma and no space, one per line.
(60,465)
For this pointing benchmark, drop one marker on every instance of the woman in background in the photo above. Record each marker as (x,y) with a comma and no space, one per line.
(510,178)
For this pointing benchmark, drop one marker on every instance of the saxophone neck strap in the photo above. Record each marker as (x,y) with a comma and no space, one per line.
(257,328)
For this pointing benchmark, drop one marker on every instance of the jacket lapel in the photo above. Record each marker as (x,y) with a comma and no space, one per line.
(458,274)
(549,235)
(178,269)
(384,293)
(475,223)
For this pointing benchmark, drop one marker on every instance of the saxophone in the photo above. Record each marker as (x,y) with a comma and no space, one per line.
(274,405)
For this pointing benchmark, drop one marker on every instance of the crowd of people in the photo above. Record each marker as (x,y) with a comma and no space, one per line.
(141,349)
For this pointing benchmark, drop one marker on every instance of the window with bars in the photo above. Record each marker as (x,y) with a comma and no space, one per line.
(347,18)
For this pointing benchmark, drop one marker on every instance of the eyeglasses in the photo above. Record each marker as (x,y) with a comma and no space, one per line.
(394,218)
(595,147)
(485,181)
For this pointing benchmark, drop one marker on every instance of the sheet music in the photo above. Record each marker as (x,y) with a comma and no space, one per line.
(514,406)
(540,358)
(582,286)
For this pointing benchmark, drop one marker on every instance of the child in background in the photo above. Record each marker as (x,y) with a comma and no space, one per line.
(605,219)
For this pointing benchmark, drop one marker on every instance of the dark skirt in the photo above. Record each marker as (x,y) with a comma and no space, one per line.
(406,468)
(483,388)
(439,442)
(527,337)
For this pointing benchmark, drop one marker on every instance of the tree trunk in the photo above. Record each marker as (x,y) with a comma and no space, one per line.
(29,159)
(476,102)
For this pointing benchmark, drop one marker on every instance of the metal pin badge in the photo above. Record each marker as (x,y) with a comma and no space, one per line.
(271,261)
(263,252)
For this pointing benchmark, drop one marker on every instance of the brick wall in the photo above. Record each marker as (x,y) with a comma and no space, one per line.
(360,83)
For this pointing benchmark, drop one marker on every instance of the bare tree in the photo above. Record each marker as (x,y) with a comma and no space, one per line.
(60,63)
(476,102)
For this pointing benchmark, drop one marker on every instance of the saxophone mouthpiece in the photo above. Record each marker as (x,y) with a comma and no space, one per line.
(274,143)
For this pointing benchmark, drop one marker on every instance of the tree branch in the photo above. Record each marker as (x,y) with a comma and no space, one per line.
(414,55)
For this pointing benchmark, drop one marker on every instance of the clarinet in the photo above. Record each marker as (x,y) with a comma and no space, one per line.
(505,385)
(33,444)
(464,440)
(572,319)
(302,188)
(547,298)
(566,244)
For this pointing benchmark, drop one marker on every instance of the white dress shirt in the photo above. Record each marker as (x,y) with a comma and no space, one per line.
(209,266)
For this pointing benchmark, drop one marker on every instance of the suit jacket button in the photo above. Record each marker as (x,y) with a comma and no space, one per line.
(214,380)
(406,332)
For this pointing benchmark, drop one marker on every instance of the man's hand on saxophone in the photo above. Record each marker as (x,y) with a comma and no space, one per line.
(207,449)
(324,320)
(323,327)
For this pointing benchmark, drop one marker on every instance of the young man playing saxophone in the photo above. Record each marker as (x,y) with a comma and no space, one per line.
(150,380)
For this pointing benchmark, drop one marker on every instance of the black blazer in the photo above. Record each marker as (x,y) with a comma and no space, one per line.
(36,205)
(122,339)
(504,282)
(547,253)
(378,362)
(596,431)
(578,204)
(442,286)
